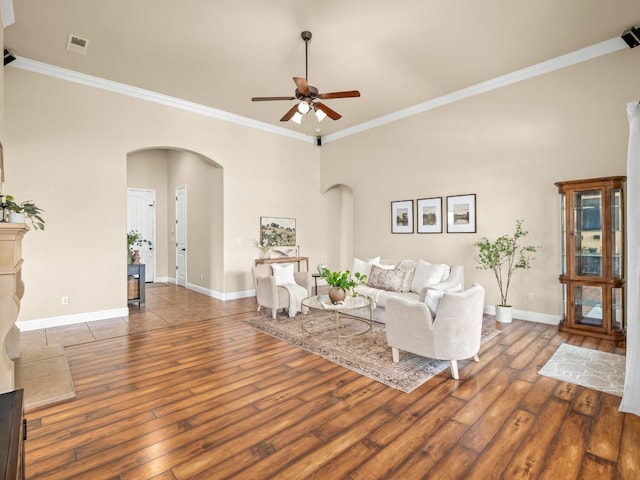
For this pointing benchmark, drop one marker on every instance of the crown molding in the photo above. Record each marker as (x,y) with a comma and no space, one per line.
(8,16)
(147,95)
(578,56)
(572,58)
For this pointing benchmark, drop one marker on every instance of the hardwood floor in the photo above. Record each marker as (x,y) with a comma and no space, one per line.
(188,391)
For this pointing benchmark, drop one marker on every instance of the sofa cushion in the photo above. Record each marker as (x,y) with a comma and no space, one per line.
(427,274)
(283,273)
(383,296)
(363,267)
(385,279)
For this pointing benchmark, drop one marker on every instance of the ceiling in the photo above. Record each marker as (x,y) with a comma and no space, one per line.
(397,54)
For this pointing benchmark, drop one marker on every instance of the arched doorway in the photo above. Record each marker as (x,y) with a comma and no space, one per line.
(162,170)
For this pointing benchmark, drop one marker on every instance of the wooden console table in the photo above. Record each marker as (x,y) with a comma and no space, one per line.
(297,260)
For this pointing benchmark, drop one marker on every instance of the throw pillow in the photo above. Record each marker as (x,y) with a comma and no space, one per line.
(385,279)
(283,273)
(446,270)
(363,266)
(409,268)
(426,274)
(433,299)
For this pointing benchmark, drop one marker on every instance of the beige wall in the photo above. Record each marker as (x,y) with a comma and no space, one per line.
(67,145)
(66,149)
(508,147)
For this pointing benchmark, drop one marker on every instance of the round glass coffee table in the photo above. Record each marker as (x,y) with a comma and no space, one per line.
(342,318)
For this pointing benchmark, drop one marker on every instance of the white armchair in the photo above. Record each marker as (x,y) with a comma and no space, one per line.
(453,335)
(271,295)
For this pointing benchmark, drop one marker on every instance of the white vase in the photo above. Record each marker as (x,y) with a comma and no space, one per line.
(16,217)
(504,314)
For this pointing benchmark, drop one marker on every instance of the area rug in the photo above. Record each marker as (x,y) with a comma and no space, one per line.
(367,354)
(589,368)
(44,374)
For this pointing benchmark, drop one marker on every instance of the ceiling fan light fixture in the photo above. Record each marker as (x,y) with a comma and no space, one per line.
(320,115)
(297,118)
(303,107)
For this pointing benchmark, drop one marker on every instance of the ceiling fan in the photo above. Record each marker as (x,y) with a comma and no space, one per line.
(308,95)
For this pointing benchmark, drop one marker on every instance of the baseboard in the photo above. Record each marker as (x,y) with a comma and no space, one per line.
(51,322)
(219,295)
(528,316)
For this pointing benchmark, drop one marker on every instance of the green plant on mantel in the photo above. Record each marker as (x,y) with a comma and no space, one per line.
(344,279)
(32,213)
(504,256)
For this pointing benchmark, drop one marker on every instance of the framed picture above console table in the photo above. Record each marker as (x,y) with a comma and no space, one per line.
(297,260)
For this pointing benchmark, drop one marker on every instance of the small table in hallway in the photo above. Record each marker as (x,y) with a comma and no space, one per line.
(322,302)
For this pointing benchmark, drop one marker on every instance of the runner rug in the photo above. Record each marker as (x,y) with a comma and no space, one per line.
(589,368)
(367,354)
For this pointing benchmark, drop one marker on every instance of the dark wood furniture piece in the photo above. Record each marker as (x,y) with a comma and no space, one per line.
(285,260)
(593,241)
(137,272)
(13,433)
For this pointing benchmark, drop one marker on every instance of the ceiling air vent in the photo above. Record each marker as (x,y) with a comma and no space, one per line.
(77,44)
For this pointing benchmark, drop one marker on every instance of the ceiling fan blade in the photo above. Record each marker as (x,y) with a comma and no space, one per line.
(333,115)
(266,99)
(302,85)
(292,111)
(347,94)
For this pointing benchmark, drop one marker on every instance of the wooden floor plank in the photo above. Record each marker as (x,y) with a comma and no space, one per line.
(211,397)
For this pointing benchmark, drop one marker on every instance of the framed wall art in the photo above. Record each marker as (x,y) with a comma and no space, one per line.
(429,215)
(402,216)
(461,213)
(277,231)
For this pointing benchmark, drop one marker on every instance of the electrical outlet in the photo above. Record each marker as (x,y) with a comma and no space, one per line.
(202,276)
(530,296)
(64,300)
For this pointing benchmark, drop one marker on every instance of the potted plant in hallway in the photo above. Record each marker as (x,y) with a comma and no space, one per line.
(134,238)
(341,282)
(503,256)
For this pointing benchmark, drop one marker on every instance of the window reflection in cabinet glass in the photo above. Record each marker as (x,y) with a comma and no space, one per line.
(616,233)
(588,239)
(588,305)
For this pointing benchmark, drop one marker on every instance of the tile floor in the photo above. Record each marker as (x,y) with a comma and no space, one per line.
(166,306)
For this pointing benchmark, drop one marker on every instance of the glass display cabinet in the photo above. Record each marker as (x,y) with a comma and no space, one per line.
(593,237)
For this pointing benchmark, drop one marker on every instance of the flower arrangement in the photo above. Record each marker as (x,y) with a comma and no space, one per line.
(265,247)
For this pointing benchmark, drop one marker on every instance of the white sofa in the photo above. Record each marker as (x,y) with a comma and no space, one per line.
(408,279)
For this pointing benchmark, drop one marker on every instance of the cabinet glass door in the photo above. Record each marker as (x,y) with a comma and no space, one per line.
(588,305)
(587,221)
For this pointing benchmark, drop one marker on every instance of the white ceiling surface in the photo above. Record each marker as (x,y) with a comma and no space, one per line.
(221,53)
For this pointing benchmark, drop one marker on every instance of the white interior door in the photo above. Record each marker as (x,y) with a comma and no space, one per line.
(181,235)
(141,217)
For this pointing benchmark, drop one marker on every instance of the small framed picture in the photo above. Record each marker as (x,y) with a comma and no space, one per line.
(461,213)
(429,215)
(402,216)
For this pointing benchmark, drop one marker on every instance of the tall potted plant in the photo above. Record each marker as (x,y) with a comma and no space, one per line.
(503,256)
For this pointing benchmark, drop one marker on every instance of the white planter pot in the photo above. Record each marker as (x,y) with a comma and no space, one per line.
(504,314)
(16,217)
